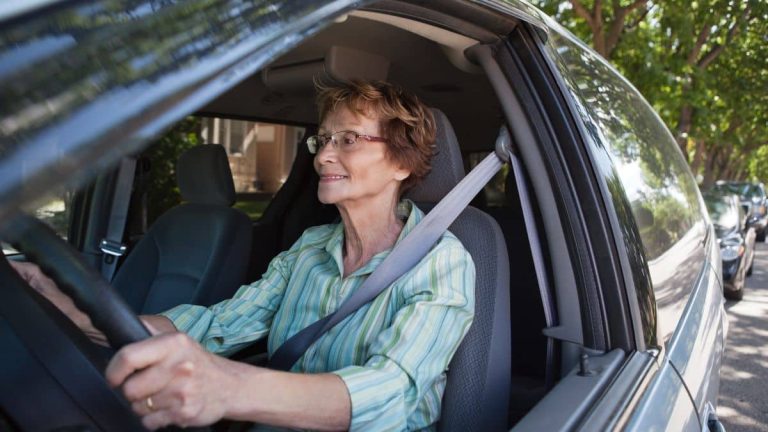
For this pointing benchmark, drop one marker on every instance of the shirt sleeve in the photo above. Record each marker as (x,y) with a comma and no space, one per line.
(407,361)
(227,326)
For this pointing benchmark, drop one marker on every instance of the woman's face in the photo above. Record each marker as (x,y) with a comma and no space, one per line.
(359,175)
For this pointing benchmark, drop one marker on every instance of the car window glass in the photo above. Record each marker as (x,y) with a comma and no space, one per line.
(260,157)
(494,192)
(721,211)
(641,162)
(743,190)
(55,212)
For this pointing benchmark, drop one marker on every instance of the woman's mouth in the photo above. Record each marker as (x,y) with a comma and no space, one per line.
(332,177)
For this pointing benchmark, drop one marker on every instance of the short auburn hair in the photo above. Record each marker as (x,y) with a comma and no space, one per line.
(406,123)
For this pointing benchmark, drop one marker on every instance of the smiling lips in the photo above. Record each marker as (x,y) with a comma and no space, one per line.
(332,177)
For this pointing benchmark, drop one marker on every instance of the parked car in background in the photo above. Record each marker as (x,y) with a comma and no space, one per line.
(753,194)
(736,239)
(613,317)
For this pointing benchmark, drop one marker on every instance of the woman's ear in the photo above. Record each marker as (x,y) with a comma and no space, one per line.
(402,174)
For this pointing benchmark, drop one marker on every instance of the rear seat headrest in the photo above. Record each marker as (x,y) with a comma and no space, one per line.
(204,176)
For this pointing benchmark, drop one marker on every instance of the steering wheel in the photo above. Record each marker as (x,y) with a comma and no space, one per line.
(91,293)
(65,370)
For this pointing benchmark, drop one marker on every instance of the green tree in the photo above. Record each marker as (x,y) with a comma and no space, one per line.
(702,64)
(161,186)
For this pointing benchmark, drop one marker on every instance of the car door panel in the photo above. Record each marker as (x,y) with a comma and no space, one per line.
(574,395)
(696,348)
(665,405)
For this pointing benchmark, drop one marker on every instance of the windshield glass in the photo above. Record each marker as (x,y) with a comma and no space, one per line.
(743,190)
(721,210)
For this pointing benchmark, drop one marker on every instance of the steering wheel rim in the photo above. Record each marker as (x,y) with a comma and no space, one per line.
(89,291)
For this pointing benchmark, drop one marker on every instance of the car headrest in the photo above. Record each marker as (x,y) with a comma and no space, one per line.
(204,177)
(447,166)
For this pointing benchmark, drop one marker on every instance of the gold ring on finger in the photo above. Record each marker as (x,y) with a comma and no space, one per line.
(150,404)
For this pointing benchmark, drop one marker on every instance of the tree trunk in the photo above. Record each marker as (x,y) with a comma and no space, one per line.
(698,157)
(710,176)
(684,126)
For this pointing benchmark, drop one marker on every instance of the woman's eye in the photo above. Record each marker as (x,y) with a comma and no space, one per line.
(348,139)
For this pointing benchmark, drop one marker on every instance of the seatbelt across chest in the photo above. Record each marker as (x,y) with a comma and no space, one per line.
(403,257)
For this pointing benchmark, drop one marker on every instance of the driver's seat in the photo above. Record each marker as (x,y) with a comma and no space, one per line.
(476,396)
(198,251)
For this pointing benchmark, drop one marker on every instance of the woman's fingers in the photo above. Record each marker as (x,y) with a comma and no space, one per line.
(171,379)
(23,269)
(150,352)
(181,403)
(155,379)
(158,419)
(35,277)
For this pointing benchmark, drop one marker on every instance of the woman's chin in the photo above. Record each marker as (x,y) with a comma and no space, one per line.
(326,198)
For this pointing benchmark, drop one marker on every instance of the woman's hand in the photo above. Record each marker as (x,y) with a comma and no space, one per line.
(44,285)
(171,379)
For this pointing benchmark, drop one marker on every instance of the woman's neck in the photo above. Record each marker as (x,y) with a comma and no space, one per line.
(368,230)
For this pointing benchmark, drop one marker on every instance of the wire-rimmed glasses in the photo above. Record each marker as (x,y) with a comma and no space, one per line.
(344,141)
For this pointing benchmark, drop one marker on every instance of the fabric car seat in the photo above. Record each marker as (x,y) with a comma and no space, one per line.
(477,391)
(198,251)
(292,210)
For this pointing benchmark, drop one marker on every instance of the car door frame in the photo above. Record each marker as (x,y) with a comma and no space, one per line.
(654,373)
(540,122)
(647,372)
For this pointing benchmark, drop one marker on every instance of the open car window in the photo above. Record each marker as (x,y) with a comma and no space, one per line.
(260,157)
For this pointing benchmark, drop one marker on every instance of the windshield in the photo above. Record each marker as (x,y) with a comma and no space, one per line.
(721,210)
(743,190)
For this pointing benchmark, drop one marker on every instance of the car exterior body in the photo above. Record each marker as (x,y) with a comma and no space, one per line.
(736,239)
(752,195)
(624,327)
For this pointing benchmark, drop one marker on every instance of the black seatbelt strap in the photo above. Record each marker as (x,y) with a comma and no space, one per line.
(403,257)
(112,246)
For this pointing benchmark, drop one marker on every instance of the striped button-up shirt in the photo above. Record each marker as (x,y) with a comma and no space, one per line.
(392,353)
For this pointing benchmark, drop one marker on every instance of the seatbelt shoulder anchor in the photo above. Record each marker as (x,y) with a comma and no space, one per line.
(504,147)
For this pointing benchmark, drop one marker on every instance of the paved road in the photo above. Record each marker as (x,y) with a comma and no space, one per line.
(743,404)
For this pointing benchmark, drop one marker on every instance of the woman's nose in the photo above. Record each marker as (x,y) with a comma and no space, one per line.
(327,152)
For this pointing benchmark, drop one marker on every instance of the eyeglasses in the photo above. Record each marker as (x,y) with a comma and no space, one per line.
(344,141)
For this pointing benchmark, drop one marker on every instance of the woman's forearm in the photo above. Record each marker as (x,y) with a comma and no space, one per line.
(158,324)
(304,401)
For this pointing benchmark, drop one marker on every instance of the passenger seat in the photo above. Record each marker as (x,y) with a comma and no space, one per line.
(198,251)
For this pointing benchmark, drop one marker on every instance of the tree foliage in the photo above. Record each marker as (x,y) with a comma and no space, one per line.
(162,187)
(702,64)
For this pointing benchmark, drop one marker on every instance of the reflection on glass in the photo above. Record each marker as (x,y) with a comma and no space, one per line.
(56,213)
(643,167)
(742,189)
(655,177)
(722,211)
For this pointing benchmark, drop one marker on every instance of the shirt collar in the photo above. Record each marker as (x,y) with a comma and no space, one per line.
(406,209)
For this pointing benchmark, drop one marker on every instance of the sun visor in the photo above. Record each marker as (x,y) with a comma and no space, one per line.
(339,64)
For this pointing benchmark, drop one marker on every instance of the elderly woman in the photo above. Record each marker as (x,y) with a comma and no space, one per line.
(383,367)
